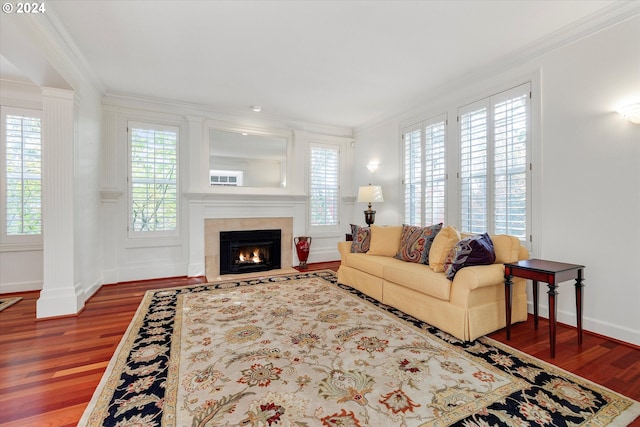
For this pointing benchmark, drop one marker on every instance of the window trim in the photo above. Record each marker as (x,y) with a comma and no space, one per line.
(152,234)
(332,228)
(422,126)
(18,242)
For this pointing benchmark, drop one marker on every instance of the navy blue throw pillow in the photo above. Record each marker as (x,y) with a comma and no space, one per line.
(474,250)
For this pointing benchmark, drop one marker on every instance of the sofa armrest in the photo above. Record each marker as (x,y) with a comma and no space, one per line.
(523,253)
(344,248)
(474,277)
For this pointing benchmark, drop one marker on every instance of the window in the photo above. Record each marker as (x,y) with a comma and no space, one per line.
(494,147)
(425,172)
(324,185)
(22,177)
(153,183)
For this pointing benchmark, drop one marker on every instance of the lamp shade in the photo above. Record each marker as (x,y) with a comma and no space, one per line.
(370,194)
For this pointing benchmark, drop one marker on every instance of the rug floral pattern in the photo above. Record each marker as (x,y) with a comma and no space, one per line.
(300,350)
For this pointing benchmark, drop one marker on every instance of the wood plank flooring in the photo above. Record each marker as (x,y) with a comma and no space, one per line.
(49,369)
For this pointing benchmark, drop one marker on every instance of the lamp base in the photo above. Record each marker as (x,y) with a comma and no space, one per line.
(369,216)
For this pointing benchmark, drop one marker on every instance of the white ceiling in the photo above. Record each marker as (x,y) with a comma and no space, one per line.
(342,63)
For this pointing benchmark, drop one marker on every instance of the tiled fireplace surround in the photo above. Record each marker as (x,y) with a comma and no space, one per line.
(215,213)
(213,227)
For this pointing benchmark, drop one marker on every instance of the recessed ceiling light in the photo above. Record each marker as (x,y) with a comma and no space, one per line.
(256,108)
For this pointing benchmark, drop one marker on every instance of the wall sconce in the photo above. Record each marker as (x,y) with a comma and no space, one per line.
(369,194)
(372,166)
(631,112)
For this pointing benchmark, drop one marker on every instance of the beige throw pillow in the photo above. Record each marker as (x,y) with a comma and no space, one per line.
(385,241)
(442,245)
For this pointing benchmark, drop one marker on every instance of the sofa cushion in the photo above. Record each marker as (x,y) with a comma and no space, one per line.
(419,277)
(385,241)
(415,243)
(371,264)
(442,245)
(474,250)
(361,238)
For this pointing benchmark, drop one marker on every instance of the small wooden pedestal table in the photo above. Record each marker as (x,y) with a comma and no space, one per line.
(552,273)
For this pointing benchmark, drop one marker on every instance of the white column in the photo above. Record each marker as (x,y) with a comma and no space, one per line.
(60,294)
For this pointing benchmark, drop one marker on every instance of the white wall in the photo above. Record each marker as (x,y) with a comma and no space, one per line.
(87,164)
(127,258)
(586,195)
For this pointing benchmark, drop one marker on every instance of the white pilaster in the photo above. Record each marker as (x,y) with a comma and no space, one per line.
(110,194)
(60,294)
(198,165)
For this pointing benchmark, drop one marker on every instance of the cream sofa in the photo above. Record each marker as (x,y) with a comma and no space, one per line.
(469,306)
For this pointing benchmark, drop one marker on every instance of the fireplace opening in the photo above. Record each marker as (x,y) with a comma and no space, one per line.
(249,250)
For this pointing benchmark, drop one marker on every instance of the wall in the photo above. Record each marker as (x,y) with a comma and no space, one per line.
(127,258)
(586,180)
(87,206)
(591,178)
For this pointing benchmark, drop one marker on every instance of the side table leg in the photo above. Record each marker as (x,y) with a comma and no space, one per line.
(552,318)
(535,304)
(579,296)
(507,300)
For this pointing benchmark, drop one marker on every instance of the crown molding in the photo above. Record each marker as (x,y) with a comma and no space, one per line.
(64,53)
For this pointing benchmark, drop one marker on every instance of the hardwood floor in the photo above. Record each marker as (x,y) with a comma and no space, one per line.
(49,369)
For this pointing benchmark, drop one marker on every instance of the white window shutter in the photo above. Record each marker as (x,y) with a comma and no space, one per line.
(473,169)
(413,176)
(435,172)
(494,147)
(153,181)
(22,158)
(511,139)
(425,171)
(324,185)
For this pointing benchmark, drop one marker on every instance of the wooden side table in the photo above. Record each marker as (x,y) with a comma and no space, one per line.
(552,273)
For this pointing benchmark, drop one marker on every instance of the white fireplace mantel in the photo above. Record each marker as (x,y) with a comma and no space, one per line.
(233,205)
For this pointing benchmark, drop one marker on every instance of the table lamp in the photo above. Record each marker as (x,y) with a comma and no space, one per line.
(369,194)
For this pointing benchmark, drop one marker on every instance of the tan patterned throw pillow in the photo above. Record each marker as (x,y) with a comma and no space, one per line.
(442,245)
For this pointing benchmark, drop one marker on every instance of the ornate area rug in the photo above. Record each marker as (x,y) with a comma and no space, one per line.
(300,350)
(8,302)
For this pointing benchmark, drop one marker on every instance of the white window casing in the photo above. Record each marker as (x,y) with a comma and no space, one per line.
(425,172)
(324,187)
(153,180)
(494,178)
(21,178)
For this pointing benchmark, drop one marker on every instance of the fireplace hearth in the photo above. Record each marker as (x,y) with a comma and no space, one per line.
(249,251)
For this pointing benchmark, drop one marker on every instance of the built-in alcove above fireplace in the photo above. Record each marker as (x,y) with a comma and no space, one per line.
(249,251)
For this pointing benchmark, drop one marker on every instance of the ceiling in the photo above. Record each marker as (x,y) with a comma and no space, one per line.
(340,63)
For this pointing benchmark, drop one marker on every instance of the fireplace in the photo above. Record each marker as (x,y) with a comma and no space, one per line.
(249,250)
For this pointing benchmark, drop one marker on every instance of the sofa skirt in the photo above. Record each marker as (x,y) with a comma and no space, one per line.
(482,313)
